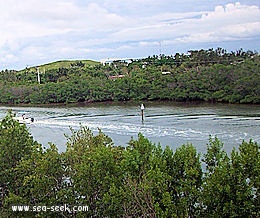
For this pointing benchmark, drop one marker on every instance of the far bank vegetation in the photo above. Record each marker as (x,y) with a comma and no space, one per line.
(200,75)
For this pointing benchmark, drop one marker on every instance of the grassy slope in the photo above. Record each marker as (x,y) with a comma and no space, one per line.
(60,64)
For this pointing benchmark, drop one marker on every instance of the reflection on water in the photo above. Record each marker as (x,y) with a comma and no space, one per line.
(170,124)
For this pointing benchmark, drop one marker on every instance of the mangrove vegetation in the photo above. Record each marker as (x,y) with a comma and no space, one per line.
(200,75)
(139,179)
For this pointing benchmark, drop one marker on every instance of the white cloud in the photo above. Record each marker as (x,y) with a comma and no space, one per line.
(224,23)
(35,31)
(231,21)
(41,18)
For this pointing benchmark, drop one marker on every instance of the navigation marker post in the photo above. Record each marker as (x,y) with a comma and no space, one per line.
(142,112)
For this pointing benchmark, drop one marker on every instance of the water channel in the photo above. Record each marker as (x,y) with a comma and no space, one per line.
(169,123)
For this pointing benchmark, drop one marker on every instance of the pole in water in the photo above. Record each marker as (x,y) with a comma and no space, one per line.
(142,112)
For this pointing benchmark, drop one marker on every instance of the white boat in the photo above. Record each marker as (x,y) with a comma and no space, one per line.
(24,119)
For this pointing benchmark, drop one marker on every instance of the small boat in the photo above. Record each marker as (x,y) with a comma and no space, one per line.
(24,119)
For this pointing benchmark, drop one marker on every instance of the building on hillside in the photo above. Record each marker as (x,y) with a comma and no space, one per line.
(166,72)
(116,77)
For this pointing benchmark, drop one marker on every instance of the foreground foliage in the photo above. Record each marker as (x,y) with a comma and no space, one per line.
(204,75)
(139,180)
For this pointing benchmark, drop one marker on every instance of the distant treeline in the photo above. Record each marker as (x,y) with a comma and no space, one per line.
(140,179)
(203,75)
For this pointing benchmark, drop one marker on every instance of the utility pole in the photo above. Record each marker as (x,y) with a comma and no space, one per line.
(38,75)
(160,55)
(160,44)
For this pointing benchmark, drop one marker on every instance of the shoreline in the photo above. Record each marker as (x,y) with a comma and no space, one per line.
(129,102)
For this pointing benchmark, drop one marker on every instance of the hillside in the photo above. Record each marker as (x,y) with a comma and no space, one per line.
(60,64)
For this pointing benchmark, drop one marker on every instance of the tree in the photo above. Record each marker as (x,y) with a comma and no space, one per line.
(250,168)
(92,168)
(186,180)
(226,191)
(16,145)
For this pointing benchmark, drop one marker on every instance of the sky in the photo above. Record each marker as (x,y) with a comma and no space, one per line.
(35,32)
